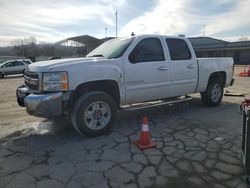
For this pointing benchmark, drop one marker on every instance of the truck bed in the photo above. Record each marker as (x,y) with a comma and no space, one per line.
(209,65)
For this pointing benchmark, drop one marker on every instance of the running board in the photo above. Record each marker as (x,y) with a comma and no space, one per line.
(139,106)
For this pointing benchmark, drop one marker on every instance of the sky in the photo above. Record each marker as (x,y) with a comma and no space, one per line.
(53,20)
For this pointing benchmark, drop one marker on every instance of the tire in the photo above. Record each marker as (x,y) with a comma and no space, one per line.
(1,75)
(213,94)
(93,113)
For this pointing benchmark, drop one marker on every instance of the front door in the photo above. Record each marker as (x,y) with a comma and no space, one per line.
(147,73)
(9,68)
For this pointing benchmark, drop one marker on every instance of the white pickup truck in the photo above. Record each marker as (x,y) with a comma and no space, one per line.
(119,74)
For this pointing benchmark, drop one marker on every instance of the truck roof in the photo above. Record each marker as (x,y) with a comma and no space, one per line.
(158,35)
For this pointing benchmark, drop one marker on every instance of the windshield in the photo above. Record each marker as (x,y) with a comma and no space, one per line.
(111,49)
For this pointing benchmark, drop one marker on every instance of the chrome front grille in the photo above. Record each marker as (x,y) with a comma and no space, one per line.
(31,80)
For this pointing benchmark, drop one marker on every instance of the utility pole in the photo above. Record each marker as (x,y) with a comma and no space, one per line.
(116,23)
(22,47)
(105,32)
(204,30)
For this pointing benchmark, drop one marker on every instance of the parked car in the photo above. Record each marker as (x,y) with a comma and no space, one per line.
(14,67)
(120,74)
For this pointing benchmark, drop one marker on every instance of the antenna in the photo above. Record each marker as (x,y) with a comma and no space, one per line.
(116,23)
(204,30)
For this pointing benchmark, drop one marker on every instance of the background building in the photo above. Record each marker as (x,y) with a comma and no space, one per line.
(78,46)
(211,47)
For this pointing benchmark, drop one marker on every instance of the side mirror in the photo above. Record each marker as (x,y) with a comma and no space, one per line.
(132,58)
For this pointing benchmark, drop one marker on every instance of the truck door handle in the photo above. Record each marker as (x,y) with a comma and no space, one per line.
(190,66)
(162,68)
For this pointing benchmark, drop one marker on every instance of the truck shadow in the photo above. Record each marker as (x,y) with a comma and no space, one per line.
(64,146)
(191,110)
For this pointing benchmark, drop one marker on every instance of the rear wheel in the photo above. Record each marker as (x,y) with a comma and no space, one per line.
(1,75)
(213,94)
(93,113)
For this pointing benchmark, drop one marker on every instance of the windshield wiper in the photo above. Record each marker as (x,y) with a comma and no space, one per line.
(96,55)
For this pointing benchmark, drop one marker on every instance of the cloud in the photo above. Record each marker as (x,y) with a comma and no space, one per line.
(228,21)
(52,19)
(188,17)
(165,18)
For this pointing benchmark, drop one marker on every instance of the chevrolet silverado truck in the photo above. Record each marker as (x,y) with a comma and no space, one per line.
(122,74)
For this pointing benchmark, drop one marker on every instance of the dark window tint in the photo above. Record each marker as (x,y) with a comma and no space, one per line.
(178,49)
(10,64)
(18,63)
(147,50)
(28,62)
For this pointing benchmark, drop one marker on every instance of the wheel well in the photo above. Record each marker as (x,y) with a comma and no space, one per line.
(108,86)
(221,76)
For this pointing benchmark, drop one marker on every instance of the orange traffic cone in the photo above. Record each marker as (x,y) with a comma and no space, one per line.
(242,74)
(145,142)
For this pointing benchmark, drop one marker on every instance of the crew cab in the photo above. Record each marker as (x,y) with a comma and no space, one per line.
(118,75)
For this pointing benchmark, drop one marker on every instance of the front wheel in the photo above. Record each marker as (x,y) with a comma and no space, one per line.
(213,94)
(93,113)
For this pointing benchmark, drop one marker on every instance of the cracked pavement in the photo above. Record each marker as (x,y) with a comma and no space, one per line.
(197,146)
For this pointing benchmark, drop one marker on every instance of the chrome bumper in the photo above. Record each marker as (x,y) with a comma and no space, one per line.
(42,105)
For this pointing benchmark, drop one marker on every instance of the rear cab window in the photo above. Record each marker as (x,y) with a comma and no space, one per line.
(178,49)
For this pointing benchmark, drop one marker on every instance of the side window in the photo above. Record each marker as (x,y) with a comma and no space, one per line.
(178,49)
(147,50)
(10,64)
(27,62)
(18,63)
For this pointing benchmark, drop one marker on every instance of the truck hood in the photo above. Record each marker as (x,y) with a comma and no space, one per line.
(61,64)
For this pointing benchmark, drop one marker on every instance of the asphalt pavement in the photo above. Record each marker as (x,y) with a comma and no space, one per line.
(197,146)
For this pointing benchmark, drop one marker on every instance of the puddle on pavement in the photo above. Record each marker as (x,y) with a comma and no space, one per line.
(38,128)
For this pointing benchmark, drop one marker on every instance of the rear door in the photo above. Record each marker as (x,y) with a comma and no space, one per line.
(147,72)
(184,69)
(19,67)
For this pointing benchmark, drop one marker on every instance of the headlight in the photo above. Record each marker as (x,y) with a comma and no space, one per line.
(55,81)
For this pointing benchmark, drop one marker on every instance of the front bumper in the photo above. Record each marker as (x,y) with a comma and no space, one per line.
(42,105)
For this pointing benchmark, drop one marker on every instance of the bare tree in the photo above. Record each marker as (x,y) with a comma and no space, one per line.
(243,39)
(26,47)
